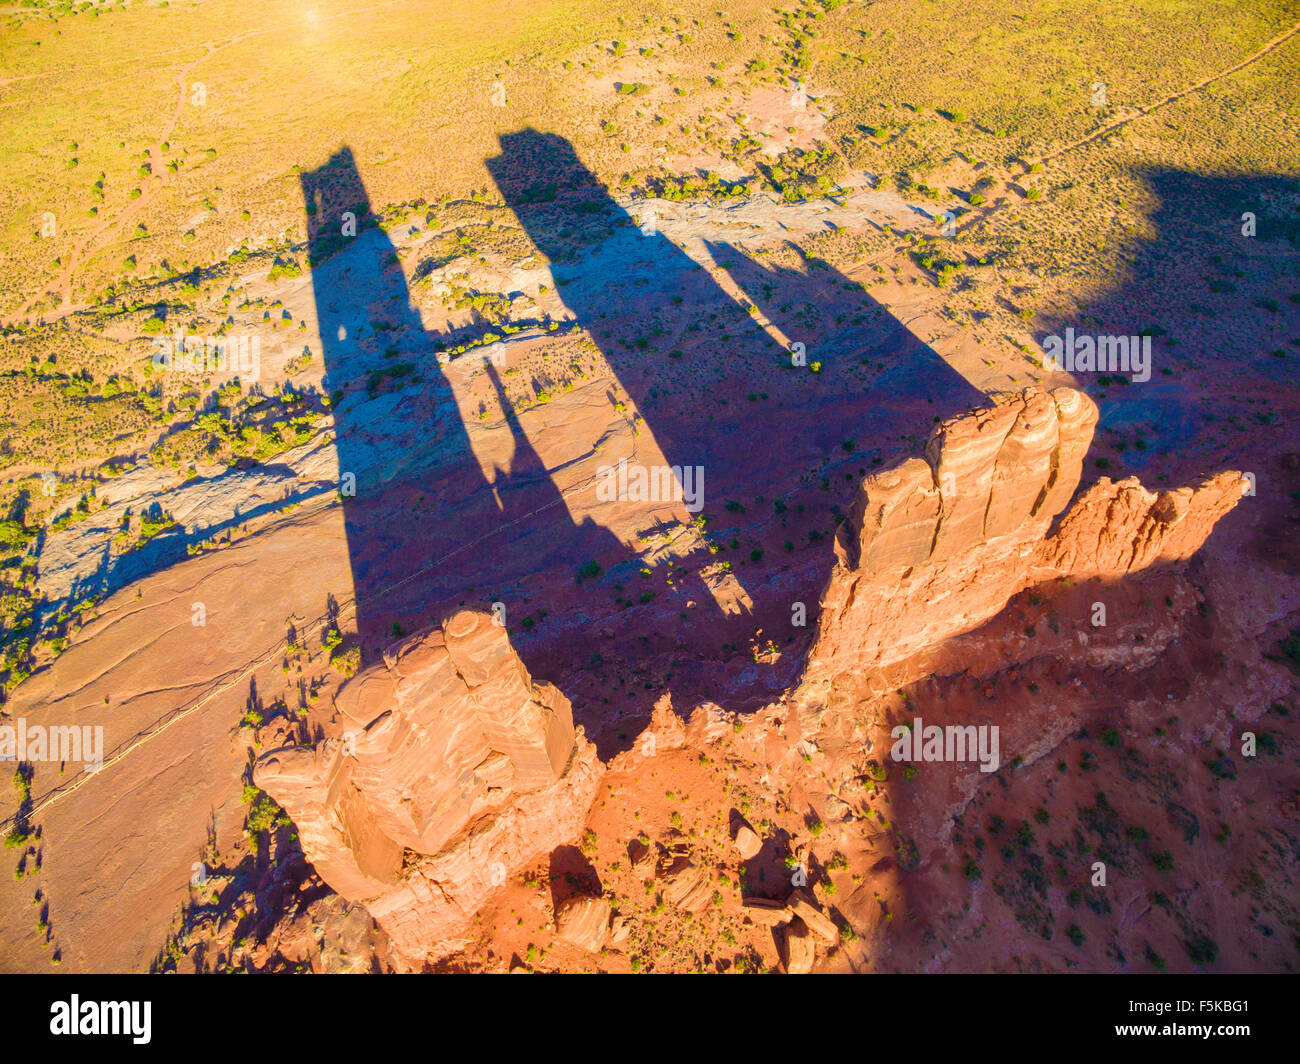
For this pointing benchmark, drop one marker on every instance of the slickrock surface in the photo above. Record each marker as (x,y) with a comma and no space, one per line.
(935,547)
(449,770)
(686,885)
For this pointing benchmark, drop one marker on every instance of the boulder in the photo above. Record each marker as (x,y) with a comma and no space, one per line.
(766,911)
(798,952)
(583,921)
(641,855)
(686,886)
(748,844)
(805,907)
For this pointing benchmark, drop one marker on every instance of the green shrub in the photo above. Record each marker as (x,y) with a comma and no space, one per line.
(1202,949)
(284,268)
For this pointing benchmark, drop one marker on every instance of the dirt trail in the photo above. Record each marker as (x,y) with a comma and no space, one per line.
(98,237)
(1142,112)
(976,217)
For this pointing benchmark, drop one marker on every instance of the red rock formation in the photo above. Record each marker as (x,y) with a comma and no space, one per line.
(935,547)
(583,920)
(1117,528)
(450,770)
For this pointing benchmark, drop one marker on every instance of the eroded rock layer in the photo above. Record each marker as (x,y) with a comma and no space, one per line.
(935,547)
(448,771)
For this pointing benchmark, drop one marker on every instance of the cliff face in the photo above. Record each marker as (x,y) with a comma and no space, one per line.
(1117,528)
(449,771)
(936,546)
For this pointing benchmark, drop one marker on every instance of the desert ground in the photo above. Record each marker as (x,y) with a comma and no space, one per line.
(476,254)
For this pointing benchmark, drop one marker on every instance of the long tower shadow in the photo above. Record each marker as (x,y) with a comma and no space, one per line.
(714,386)
(782,447)
(426,530)
(1231,348)
(1211,294)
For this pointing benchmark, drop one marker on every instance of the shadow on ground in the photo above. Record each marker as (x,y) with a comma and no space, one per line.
(428,532)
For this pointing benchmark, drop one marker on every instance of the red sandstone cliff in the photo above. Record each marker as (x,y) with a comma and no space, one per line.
(938,545)
(449,770)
